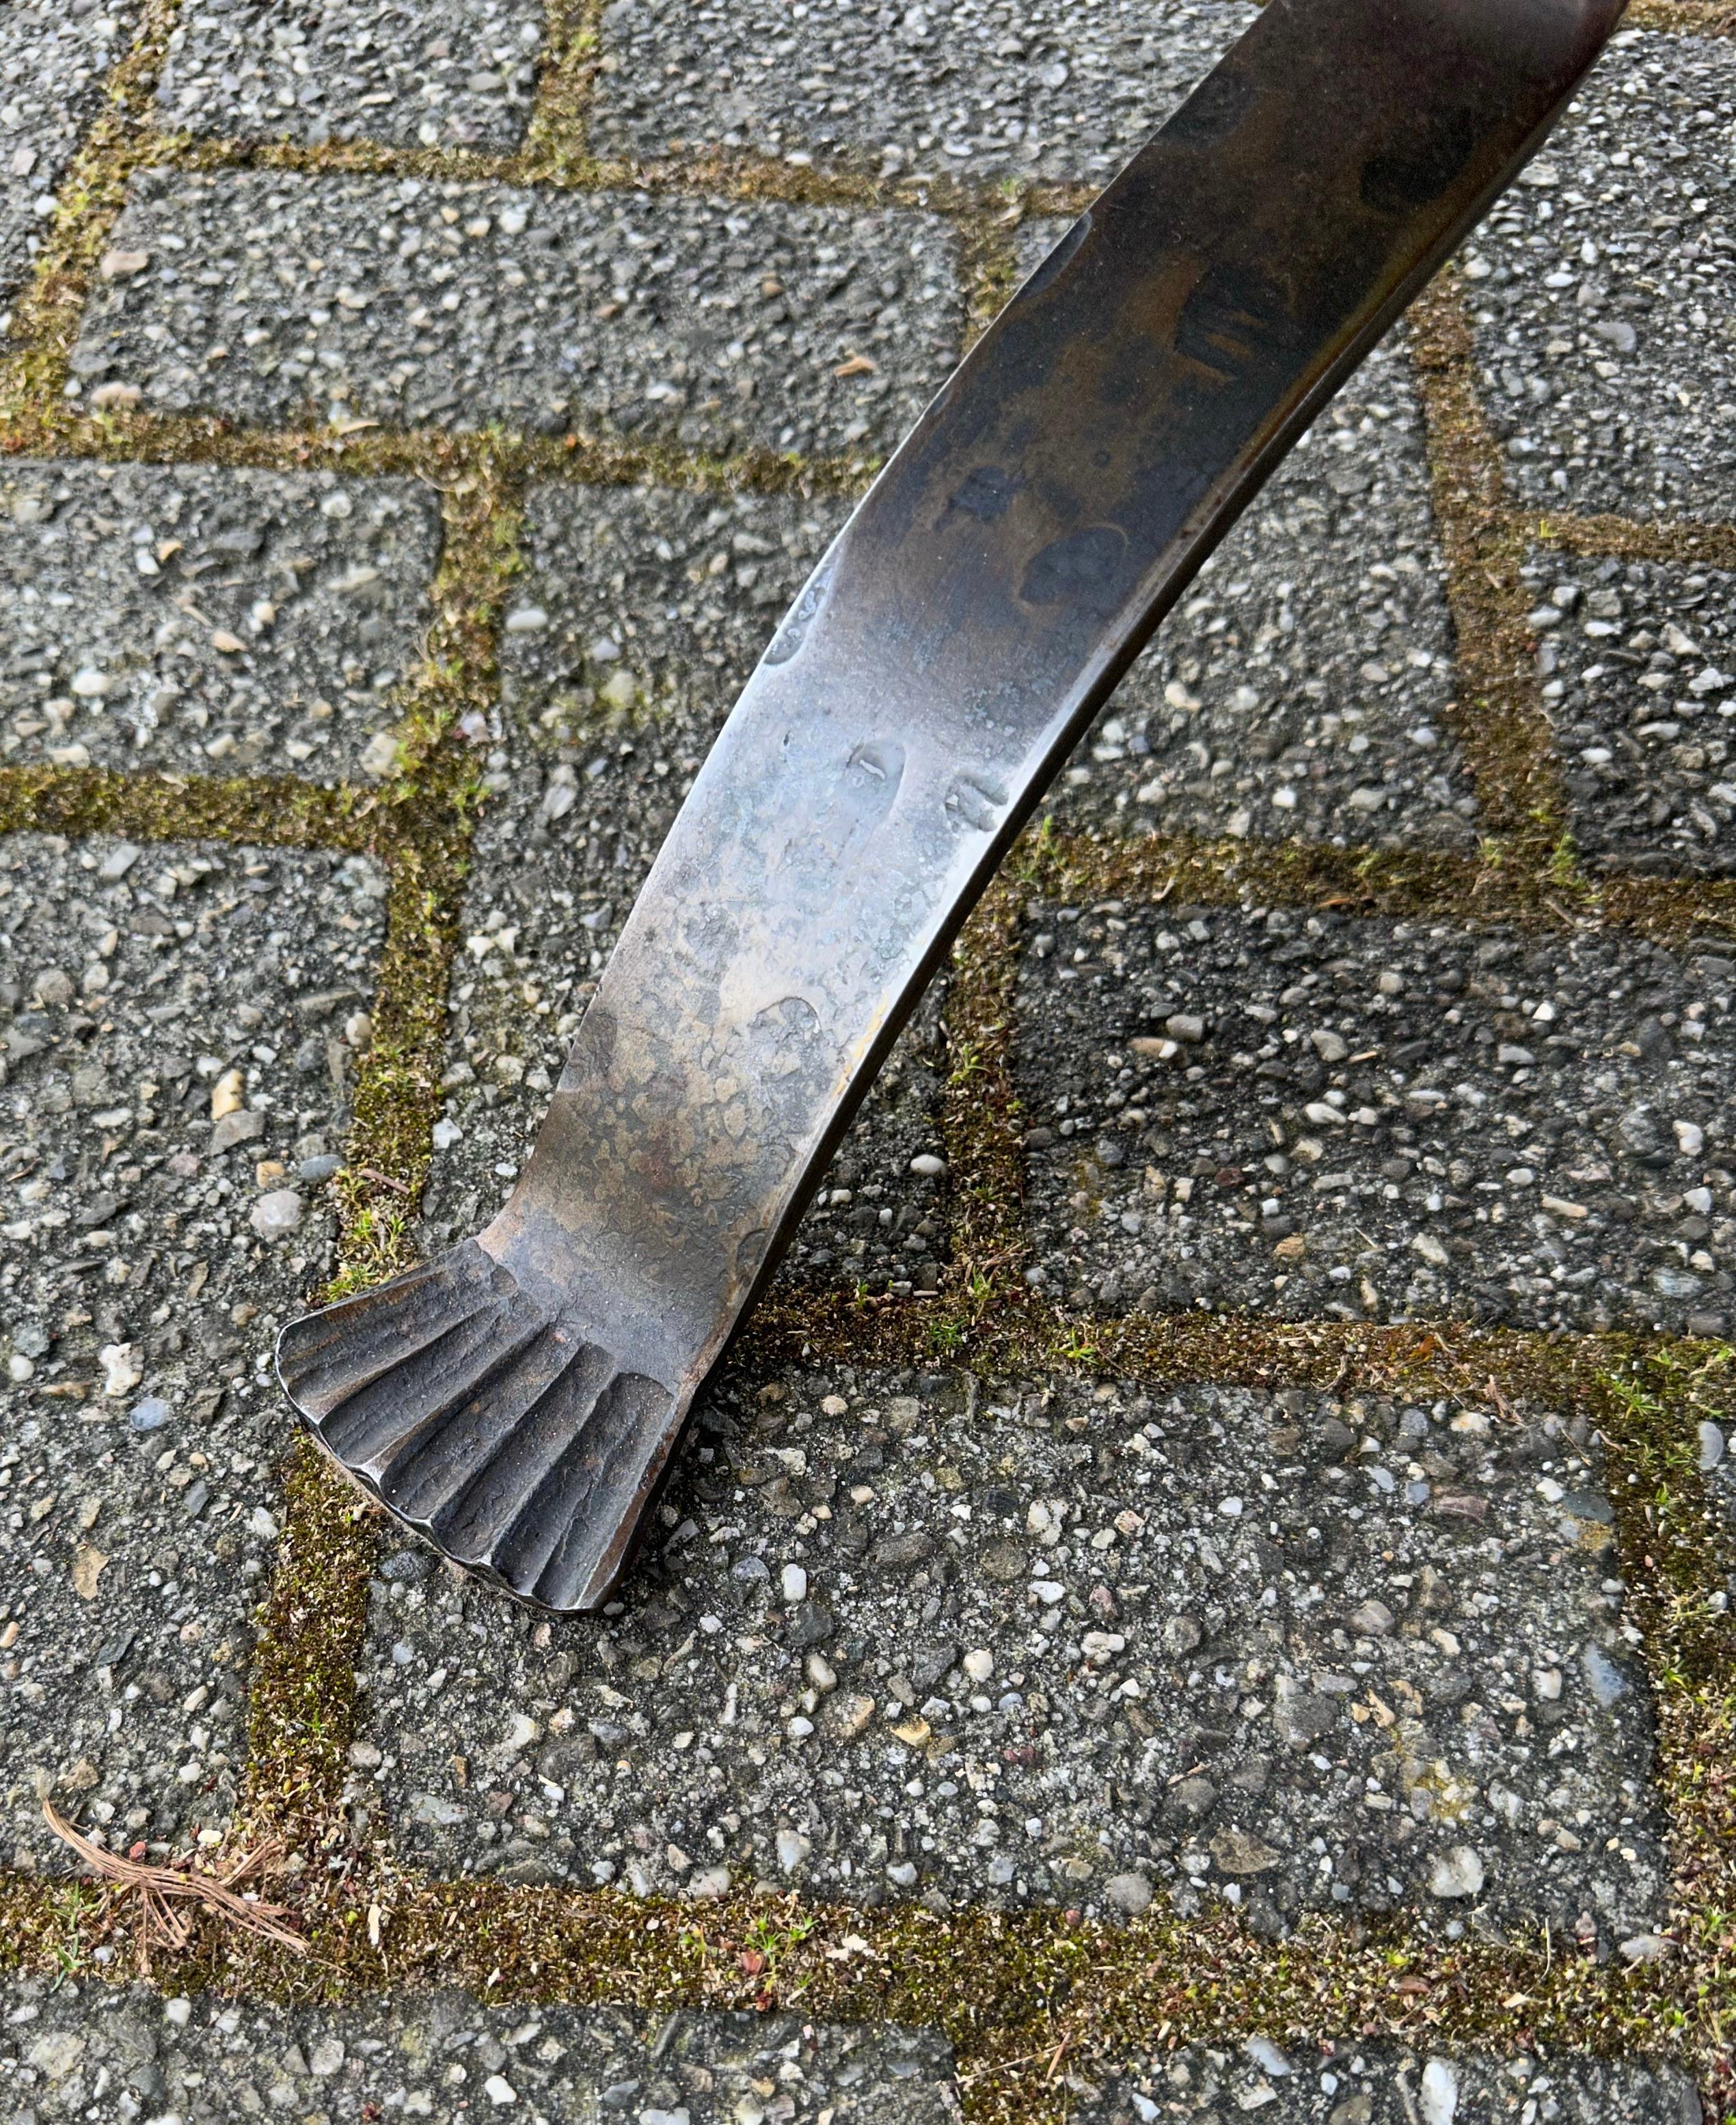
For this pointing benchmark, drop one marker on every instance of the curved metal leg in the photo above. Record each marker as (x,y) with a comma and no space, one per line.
(517,1402)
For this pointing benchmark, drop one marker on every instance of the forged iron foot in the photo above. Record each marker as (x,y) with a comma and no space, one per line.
(482,1420)
(516,1402)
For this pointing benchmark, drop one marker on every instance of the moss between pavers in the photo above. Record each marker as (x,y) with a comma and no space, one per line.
(1689,18)
(1499,720)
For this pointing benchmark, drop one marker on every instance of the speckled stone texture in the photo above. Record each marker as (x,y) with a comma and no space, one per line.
(1346,2083)
(125,2054)
(140,988)
(1304,686)
(976,92)
(447,76)
(1639,665)
(898,1638)
(1314,1115)
(196,618)
(649,606)
(717,325)
(53,59)
(1601,292)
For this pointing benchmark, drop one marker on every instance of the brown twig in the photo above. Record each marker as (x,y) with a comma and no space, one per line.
(385,1179)
(161,1889)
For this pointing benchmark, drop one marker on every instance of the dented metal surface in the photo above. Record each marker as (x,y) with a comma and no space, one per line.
(517,1402)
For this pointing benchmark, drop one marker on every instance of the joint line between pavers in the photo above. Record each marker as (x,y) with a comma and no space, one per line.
(375,449)
(1686,542)
(558,132)
(1683,18)
(1502,728)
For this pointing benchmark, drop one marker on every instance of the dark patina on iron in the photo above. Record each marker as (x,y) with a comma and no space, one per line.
(516,1401)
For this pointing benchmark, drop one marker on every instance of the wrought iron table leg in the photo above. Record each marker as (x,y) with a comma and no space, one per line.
(516,1402)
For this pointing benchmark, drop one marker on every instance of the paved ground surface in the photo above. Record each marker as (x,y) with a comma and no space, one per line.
(127,2053)
(1205,1590)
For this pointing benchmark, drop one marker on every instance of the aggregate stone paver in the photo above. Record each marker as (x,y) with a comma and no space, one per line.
(976,92)
(129,2053)
(140,987)
(192,617)
(1322,1115)
(645,604)
(1639,665)
(1348,2083)
(53,60)
(714,324)
(1303,685)
(897,1639)
(1601,293)
(558,859)
(447,76)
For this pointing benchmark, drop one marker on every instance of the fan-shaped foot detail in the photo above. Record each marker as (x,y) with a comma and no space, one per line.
(503,1434)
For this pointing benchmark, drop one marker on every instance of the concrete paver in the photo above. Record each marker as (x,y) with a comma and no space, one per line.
(442,77)
(1303,685)
(897,1638)
(1362,2083)
(1601,293)
(1311,1115)
(717,325)
(648,607)
(1632,657)
(972,92)
(443,2057)
(145,989)
(191,617)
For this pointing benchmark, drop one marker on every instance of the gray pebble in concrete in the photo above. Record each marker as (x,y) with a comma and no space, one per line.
(72,2050)
(1638,661)
(192,617)
(1345,2082)
(1312,1114)
(710,324)
(975,92)
(1302,686)
(446,76)
(1600,291)
(145,991)
(1083,1647)
(53,60)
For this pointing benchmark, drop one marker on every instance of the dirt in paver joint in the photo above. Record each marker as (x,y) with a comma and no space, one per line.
(1326,1715)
